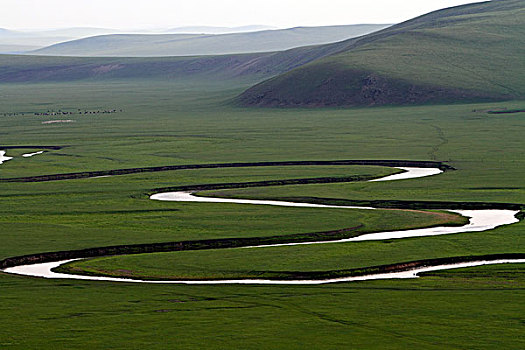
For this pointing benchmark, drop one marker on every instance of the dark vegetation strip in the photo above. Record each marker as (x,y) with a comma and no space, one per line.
(401,204)
(177,246)
(88,174)
(325,275)
(232,185)
(55,148)
(507,111)
(391,268)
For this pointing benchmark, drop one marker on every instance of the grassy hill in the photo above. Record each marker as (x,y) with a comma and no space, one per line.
(252,67)
(205,44)
(32,69)
(466,53)
(248,67)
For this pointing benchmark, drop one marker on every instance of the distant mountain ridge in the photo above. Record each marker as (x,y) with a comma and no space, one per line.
(145,45)
(22,41)
(217,30)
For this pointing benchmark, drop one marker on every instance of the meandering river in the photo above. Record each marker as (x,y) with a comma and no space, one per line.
(479,220)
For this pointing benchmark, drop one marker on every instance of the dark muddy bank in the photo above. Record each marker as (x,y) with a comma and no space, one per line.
(333,274)
(178,246)
(89,174)
(380,269)
(400,204)
(233,185)
(54,148)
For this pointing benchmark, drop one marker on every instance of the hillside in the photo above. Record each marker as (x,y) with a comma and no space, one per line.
(467,53)
(251,68)
(34,69)
(140,45)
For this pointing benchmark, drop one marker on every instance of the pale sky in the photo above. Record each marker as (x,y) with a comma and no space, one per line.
(131,14)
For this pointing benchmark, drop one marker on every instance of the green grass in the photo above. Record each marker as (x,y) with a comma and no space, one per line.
(478,311)
(166,124)
(280,262)
(88,213)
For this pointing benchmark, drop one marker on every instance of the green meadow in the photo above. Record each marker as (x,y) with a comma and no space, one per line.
(165,123)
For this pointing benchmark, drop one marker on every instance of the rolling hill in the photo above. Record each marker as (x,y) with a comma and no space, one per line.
(13,41)
(140,45)
(467,53)
(252,67)
(217,30)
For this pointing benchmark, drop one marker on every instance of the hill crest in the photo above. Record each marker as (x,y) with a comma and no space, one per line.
(460,54)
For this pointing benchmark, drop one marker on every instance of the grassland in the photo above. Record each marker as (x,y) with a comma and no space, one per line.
(99,212)
(476,311)
(167,123)
(283,262)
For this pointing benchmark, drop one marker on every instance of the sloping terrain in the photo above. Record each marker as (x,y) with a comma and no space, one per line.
(254,66)
(24,69)
(467,53)
(32,69)
(137,45)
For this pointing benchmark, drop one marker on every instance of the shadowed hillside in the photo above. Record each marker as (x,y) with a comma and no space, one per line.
(467,53)
(250,67)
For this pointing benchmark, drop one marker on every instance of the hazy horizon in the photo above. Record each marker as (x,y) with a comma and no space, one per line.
(249,27)
(163,14)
